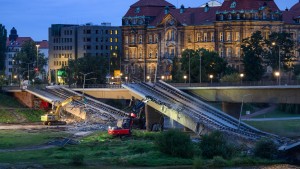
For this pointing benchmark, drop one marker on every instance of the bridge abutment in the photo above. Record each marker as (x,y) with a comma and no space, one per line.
(233,109)
(154,119)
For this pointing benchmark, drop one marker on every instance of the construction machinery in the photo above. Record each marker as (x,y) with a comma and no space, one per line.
(124,125)
(53,117)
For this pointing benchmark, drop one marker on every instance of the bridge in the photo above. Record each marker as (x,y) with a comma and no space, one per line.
(175,104)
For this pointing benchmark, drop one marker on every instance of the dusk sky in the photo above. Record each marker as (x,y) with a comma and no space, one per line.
(32,18)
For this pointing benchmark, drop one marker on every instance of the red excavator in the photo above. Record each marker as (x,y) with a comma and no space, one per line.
(124,125)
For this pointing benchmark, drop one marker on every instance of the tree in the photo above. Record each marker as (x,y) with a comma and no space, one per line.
(87,64)
(3,36)
(26,60)
(177,74)
(280,43)
(252,56)
(211,64)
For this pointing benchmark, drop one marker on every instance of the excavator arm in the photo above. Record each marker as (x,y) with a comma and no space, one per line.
(65,102)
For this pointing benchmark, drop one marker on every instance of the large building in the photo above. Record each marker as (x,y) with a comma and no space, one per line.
(155,31)
(13,46)
(76,41)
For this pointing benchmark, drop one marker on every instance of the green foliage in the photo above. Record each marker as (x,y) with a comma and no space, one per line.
(141,148)
(140,134)
(87,64)
(290,108)
(284,45)
(265,148)
(177,73)
(215,144)
(252,56)
(175,143)
(77,159)
(28,57)
(3,36)
(211,63)
(235,77)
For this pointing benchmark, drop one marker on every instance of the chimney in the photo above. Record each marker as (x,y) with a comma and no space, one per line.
(181,9)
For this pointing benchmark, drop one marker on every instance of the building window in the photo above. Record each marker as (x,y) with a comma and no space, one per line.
(150,38)
(126,54)
(237,36)
(140,39)
(140,54)
(221,52)
(205,37)
(116,32)
(189,38)
(132,39)
(156,38)
(111,40)
(198,37)
(238,16)
(228,52)
(126,69)
(229,16)
(126,39)
(116,47)
(221,17)
(150,54)
(264,15)
(221,36)
(212,37)
(111,32)
(237,51)
(133,69)
(228,34)
(116,40)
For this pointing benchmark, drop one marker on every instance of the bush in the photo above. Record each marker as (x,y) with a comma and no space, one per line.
(175,143)
(215,144)
(78,159)
(235,77)
(198,163)
(265,148)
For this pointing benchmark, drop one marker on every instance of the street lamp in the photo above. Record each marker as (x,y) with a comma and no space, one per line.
(211,77)
(241,76)
(279,78)
(277,74)
(148,78)
(126,79)
(162,77)
(200,55)
(184,77)
(37,55)
(246,95)
(84,75)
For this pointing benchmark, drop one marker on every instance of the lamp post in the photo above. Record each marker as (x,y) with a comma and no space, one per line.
(241,76)
(148,78)
(84,75)
(279,77)
(126,79)
(163,77)
(200,55)
(246,95)
(184,77)
(189,69)
(211,77)
(37,55)
(277,74)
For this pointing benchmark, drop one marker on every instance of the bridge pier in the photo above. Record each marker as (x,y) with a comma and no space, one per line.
(154,119)
(233,109)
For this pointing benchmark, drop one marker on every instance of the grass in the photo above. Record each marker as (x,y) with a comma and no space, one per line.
(20,115)
(100,149)
(277,114)
(24,138)
(286,128)
(8,101)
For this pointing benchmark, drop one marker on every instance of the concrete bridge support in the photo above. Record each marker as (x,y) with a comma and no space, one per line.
(233,109)
(154,119)
(25,98)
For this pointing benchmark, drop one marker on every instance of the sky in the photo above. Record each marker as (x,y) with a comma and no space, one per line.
(32,18)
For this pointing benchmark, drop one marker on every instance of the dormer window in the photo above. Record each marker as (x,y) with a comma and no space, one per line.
(229,16)
(137,10)
(233,4)
(264,15)
(238,16)
(221,17)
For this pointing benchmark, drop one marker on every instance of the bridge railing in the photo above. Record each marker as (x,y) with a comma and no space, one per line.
(246,83)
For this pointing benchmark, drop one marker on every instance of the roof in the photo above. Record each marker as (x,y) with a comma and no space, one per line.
(296,7)
(248,5)
(148,3)
(287,16)
(19,42)
(190,16)
(43,44)
(212,3)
